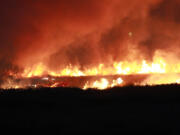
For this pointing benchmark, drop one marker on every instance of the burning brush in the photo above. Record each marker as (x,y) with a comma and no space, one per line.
(89,44)
(100,77)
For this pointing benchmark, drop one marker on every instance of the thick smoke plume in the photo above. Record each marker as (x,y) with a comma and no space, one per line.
(85,32)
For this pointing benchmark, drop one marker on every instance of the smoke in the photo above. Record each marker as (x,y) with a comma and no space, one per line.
(86,33)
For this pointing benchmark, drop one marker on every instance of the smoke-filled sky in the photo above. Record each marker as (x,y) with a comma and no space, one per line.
(85,32)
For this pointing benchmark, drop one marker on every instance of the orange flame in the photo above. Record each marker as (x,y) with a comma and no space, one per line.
(104,84)
(159,65)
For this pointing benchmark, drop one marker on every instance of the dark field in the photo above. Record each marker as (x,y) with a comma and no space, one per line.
(149,110)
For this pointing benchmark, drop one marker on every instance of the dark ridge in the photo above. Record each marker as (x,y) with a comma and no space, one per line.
(145,109)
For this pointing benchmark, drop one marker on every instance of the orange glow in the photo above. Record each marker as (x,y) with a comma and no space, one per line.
(155,68)
(158,65)
(37,70)
(103,84)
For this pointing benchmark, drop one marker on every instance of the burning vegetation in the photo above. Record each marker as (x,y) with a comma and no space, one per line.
(89,44)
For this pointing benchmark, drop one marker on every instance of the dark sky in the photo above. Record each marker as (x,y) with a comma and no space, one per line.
(85,32)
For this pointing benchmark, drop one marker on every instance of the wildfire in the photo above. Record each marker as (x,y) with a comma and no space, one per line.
(158,65)
(155,69)
(103,84)
(79,39)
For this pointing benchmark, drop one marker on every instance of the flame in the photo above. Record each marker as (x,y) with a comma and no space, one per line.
(37,70)
(159,79)
(103,84)
(159,65)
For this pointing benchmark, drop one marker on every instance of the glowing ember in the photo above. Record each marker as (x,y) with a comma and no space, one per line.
(159,79)
(103,84)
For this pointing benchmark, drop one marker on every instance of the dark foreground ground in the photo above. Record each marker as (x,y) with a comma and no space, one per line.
(149,110)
